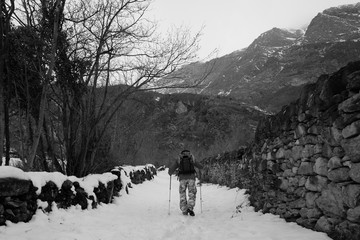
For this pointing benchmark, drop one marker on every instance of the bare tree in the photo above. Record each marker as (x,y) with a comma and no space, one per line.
(57,7)
(6,12)
(91,46)
(109,42)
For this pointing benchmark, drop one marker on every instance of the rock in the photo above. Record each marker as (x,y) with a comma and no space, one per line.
(351,148)
(181,108)
(270,156)
(354,81)
(288,173)
(353,214)
(314,130)
(355,172)
(347,164)
(351,104)
(81,197)
(318,149)
(291,215)
(300,131)
(306,168)
(321,166)
(308,151)
(296,152)
(284,184)
(302,181)
(327,151)
(293,181)
(324,225)
(66,194)
(299,203)
(316,183)
(309,139)
(334,162)
(352,195)
(326,134)
(339,175)
(301,117)
(345,159)
(314,213)
(351,130)
(303,212)
(310,198)
(339,152)
(307,223)
(336,134)
(49,192)
(300,192)
(280,154)
(331,201)
(14,187)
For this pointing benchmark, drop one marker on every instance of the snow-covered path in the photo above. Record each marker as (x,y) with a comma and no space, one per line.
(143,214)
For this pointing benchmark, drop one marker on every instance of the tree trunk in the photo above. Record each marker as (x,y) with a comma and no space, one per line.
(7,128)
(38,130)
(50,149)
(2,124)
(2,77)
(47,79)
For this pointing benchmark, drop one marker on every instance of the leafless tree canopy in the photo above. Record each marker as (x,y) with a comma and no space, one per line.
(89,46)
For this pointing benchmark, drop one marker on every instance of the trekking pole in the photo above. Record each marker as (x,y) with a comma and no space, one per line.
(200,198)
(169,196)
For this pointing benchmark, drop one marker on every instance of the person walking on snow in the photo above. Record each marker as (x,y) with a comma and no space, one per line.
(186,165)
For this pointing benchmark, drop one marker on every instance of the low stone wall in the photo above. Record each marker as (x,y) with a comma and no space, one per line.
(139,174)
(20,198)
(305,162)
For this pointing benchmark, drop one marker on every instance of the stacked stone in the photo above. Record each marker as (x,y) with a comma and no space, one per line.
(17,200)
(139,176)
(313,148)
(72,194)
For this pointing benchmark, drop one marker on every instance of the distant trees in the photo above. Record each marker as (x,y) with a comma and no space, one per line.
(65,57)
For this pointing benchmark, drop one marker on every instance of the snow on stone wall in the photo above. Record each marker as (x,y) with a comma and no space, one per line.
(23,193)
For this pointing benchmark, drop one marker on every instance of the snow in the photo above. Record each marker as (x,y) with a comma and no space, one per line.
(143,214)
(12,172)
(39,179)
(15,162)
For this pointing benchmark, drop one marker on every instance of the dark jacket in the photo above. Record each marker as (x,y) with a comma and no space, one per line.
(176,165)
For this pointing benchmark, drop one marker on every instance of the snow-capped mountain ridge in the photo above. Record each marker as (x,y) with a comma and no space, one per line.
(270,72)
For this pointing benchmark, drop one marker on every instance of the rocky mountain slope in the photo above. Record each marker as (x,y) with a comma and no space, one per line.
(155,127)
(271,71)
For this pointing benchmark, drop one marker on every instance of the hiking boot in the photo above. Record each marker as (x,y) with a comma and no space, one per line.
(185,213)
(191,212)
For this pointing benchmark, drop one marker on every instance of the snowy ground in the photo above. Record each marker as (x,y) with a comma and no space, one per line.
(143,214)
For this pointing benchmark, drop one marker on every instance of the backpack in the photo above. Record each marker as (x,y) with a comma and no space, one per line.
(186,164)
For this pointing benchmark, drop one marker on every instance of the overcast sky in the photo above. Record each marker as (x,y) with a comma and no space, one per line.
(231,25)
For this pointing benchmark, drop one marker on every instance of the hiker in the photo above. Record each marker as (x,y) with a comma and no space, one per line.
(185,165)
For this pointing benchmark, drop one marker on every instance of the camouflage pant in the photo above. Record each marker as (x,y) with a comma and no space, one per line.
(185,203)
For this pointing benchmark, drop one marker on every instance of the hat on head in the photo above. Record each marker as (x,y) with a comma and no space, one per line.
(185,152)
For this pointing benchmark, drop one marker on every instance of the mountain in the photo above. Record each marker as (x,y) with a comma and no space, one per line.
(154,127)
(271,71)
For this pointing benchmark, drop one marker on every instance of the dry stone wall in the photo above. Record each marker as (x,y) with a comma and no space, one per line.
(20,199)
(305,162)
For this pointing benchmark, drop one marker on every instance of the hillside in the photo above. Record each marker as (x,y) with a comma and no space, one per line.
(156,126)
(271,71)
